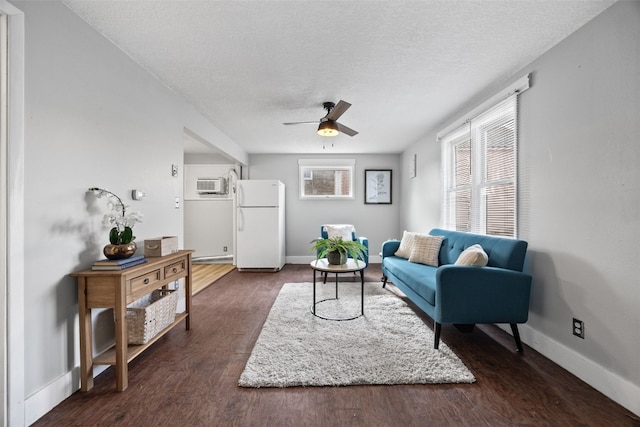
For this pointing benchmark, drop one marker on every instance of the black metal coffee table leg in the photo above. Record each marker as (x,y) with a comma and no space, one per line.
(314,292)
(362,292)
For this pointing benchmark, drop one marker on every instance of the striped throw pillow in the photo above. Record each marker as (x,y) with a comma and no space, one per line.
(406,244)
(426,250)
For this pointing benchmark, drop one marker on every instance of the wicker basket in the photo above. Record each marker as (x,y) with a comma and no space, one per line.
(150,314)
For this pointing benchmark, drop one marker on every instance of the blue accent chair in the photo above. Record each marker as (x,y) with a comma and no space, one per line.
(365,241)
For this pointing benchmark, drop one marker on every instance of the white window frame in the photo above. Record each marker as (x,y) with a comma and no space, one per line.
(306,167)
(471,130)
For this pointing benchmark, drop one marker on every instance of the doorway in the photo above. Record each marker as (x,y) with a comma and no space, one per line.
(209,183)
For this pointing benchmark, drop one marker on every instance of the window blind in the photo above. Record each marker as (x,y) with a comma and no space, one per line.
(479,162)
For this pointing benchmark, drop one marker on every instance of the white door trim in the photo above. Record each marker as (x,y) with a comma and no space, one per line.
(12,249)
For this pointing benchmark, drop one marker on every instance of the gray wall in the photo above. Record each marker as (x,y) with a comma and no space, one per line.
(579,201)
(92,118)
(304,217)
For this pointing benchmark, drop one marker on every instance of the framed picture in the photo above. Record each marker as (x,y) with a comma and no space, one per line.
(377,186)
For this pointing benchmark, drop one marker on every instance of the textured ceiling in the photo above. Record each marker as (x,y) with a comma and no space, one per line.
(405,66)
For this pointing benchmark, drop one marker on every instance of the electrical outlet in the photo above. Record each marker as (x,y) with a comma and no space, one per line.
(578,328)
(224,249)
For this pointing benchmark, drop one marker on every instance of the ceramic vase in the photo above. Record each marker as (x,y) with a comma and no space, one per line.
(120,251)
(336,258)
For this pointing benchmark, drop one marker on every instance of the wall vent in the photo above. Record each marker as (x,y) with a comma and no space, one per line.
(211,186)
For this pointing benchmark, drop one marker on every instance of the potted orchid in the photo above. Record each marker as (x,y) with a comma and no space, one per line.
(121,236)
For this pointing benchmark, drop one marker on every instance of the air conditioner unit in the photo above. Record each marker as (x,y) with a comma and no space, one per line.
(211,186)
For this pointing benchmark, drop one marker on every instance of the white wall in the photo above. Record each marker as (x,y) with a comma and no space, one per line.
(208,218)
(92,118)
(304,217)
(579,200)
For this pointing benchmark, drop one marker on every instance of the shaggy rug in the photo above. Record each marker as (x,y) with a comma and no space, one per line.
(388,345)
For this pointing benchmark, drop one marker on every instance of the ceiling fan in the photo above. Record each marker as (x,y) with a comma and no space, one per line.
(328,125)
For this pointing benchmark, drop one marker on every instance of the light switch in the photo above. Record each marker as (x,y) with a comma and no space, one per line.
(177,202)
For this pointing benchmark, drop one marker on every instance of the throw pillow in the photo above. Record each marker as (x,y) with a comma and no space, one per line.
(340,230)
(473,255)
(406,244)
(426,249)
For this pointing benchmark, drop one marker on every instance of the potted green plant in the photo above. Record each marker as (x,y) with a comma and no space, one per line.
(335,249)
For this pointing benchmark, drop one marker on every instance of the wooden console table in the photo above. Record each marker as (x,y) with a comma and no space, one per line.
(117,289)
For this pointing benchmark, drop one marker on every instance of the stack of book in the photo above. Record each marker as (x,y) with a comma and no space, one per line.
(118,264)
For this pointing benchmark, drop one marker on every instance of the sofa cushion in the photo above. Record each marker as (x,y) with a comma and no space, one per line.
(502,252)
(426,249)
(340,230)
(419,277)
(406,244)
(473,255)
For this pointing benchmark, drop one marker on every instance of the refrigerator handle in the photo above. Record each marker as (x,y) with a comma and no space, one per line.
(239,195)
(240,220)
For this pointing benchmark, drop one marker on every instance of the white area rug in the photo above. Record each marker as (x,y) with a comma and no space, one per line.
(388,345)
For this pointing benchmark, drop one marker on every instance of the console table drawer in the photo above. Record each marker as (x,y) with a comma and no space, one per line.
(144,281)
(175,269)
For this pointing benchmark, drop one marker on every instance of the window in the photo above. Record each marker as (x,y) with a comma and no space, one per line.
(479,171)
(326,178)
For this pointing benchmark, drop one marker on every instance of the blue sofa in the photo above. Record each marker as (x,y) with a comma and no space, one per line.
(465,295)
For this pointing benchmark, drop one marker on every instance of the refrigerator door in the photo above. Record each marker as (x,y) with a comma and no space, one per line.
(259,192)
(259,239)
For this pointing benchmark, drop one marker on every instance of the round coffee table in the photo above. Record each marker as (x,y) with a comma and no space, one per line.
(351,266)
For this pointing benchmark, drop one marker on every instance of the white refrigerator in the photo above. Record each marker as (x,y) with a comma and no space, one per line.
(260,240)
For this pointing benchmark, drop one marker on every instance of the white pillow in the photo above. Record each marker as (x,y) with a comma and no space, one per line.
(340,230)
(426,249)
(406,244)
(473,255)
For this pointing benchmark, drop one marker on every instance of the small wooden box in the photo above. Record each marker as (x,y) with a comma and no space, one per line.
(160,246)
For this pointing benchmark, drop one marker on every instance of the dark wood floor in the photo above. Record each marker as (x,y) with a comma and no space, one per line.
(189,379)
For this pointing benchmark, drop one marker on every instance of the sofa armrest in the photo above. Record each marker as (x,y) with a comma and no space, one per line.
(365,242)
(390,247)
(467,294)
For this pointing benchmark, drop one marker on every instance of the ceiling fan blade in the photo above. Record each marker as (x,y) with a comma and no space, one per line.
(346,130)
(315,122)
(338,110)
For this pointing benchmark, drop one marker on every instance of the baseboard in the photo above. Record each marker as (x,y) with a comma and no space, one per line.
(48,397)
(597,376)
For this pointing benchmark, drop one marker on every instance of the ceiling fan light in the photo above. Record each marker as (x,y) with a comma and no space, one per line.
(328,128)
